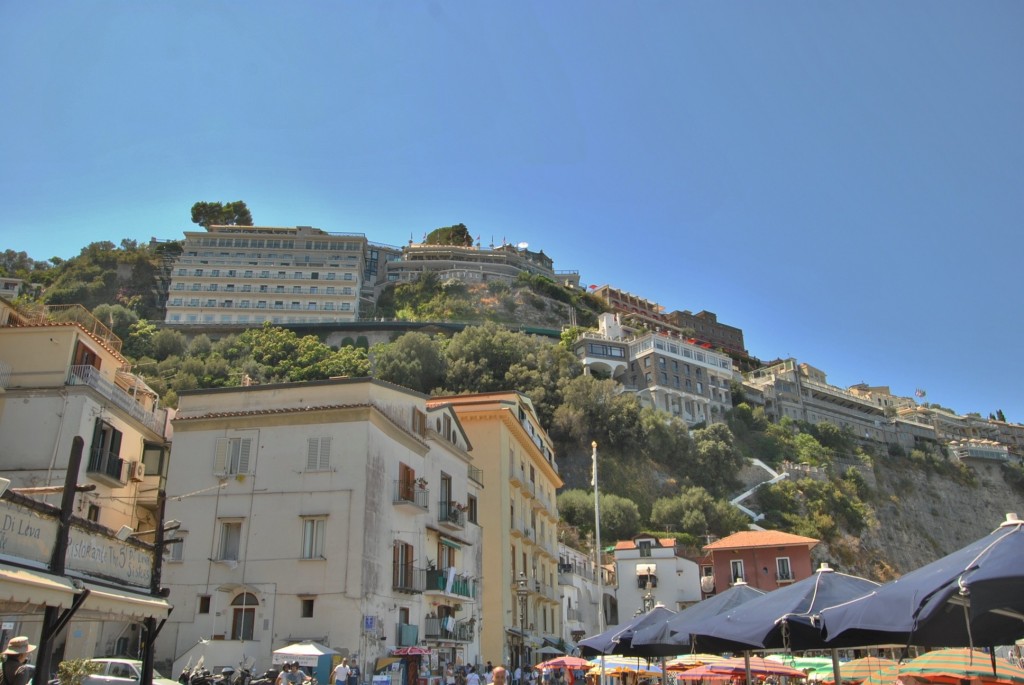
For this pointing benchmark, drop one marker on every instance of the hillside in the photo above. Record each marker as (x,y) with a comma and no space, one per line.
(877,514)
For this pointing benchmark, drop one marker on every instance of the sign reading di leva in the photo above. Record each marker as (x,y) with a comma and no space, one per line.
(27,534)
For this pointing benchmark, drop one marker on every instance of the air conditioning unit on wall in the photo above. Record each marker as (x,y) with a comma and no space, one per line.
(136,470)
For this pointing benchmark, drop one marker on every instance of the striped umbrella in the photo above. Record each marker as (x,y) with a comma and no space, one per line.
(887,676)
(688,661)
(758,667)
(570,662)
(859,669)
(703,673)
(621,664)
(963,664)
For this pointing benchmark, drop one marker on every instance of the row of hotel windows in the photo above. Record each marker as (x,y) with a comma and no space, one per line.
(246,288)
(249,273)
(655,342)
(719,395)
(246,319)
(262,243)
(261,304)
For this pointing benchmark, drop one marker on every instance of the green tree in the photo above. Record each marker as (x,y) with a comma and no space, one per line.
(717,459)
(695,512)
(576,508)
(490,358)
(620,517)
(450,235)
(594,409)
(208,214)
(413,360)
(117,318)
(139,342)
(168,343)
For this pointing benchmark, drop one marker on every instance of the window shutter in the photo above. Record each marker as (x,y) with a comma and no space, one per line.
(312,453)
(325,454)
(243,455)
(220,456)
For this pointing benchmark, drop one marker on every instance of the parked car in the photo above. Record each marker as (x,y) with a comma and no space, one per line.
(117,671)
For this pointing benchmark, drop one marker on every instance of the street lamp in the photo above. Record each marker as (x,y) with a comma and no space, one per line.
(522,593)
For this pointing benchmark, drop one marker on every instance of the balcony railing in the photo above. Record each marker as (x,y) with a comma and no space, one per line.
(88,375)
(449,513)
(476,475)
(462,586)
(5,376)
(447,629)
(105,463)
(409,492)
(408,578)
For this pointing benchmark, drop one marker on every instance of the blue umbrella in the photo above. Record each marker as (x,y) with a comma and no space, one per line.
(784,618)
(974,596)
(675,633)
(618,639)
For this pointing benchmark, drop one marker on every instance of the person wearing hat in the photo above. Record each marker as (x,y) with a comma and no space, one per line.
(16,669)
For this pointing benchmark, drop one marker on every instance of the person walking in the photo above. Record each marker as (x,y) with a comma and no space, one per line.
(16,669)
(341,673)
(472,678)
(500,675)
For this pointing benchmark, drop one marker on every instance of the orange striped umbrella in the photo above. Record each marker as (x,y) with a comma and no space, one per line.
(887,676)
(963,664)
(859,669)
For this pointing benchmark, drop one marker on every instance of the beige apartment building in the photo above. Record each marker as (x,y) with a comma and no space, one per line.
(62,378)
(252,274)
(521,608)
(342,511)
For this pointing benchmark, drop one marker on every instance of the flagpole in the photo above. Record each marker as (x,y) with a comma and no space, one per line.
(597,552)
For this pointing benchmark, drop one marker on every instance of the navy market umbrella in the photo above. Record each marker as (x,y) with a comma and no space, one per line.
(618,639)
(974,596)
(675,633)
(783,618)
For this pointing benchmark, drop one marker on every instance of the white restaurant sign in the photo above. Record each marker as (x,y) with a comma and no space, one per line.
(28,535)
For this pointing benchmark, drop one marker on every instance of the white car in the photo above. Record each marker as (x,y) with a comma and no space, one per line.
(116,671)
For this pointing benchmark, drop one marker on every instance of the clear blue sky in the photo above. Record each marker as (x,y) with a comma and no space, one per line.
(843,181)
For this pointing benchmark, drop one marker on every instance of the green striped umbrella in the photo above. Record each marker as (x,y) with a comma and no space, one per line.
(963,664)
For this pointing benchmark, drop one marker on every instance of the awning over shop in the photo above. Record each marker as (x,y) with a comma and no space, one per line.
(646,569)
(31,590)
(115,603)
(450,543)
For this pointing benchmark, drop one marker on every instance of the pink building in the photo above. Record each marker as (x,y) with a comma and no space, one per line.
(764,559)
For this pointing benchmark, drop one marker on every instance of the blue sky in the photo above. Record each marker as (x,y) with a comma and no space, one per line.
(843,181)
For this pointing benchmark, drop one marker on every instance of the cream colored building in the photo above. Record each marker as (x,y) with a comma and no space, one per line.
(665,371)
(520,566)
(342,511)
(62,377)
(252,274)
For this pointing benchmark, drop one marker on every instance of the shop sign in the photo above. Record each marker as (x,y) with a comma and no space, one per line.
(102,556)
(25,533)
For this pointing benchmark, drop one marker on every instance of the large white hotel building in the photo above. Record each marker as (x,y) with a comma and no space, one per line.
(252,274)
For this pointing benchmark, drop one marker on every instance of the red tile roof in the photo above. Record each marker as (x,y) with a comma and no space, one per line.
(761,538)
(669,543)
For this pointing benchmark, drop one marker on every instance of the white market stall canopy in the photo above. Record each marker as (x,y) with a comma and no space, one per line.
(307,653)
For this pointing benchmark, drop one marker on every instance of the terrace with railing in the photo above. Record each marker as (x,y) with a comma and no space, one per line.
(72,313)
(447,628)
(450,582)
(155,420)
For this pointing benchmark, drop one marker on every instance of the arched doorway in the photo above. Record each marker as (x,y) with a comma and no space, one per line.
(243,619)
